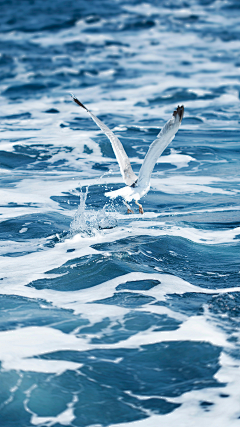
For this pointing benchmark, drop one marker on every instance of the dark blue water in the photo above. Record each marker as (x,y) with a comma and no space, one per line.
(109,319)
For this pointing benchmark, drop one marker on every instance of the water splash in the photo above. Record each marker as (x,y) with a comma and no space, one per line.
(88,222)
(79,223)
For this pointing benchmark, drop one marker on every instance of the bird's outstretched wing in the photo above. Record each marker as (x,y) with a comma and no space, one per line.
(128,175)
(158,146)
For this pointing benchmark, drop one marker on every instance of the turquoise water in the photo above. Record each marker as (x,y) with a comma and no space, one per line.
(110,319)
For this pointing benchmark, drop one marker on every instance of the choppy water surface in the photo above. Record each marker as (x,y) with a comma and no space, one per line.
(109,319)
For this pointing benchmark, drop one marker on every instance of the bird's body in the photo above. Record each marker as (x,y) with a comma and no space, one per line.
(137,186)
(129,193)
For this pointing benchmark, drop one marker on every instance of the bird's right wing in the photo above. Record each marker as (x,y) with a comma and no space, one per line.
(128,175)
(158,146)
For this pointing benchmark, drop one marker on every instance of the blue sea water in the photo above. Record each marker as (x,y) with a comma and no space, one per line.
(109,319)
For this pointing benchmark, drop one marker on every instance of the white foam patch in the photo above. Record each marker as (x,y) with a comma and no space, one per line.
(222,411)
(40,365)
(177,159)
(11,247)
(23,230)
(206,237)
(65,418)
(174,158)
(195,211)
(196,328)
(161,310)
(17,347)
(22,196)
(179,184)
(33,266)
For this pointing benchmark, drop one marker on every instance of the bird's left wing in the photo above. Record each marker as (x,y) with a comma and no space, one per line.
(158,146)
(128,175)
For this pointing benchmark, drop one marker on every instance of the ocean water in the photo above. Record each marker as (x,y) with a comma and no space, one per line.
(110,319)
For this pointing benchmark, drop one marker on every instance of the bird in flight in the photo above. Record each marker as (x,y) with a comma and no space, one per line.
(137,186)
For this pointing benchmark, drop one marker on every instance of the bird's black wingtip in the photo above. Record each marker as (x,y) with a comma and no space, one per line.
(78,102)
(179,112)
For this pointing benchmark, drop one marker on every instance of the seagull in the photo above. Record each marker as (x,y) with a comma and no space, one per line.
(137,186)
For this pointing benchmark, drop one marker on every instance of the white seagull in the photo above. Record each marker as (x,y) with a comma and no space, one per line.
(137,186)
